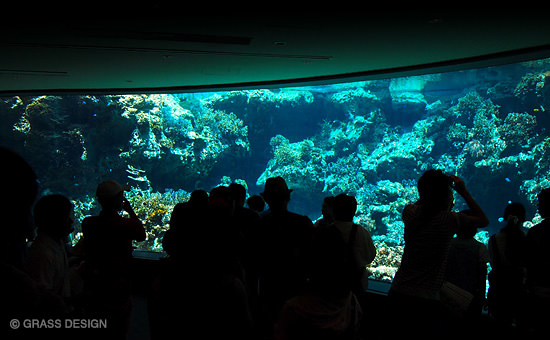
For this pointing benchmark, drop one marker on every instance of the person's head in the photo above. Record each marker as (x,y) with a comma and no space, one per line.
(328,208)
(238,192)
(544,203)
(220,196)
(221,201)
(110,194)
(54,216)
(344,207)
(276,192)
(199,197)
(256,203)
(434,189)
(514,214)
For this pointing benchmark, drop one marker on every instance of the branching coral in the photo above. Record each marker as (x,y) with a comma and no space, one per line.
(531,86)
(518,130)
(154,210)
(473,104)
(284,153)
(458,135)
(386,262)
(302,164)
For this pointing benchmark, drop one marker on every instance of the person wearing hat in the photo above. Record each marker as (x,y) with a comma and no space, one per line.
(107,240)
(110,235)
(281,243)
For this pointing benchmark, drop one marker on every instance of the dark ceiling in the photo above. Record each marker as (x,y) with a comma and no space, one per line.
(189,53)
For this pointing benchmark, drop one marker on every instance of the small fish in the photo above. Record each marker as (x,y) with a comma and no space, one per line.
(134,171)
(536,110)
(508,179)
(500,219)
(139,179)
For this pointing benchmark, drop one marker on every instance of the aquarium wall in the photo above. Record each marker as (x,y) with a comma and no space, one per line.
(371,139)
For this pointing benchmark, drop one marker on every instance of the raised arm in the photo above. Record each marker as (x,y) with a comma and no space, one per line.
(477,217)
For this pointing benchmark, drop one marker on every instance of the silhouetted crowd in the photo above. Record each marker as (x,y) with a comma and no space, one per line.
(237,270)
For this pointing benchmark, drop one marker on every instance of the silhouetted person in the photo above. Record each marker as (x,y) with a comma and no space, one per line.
(108,250)
(344,208)
(47,260)
(244,218)
(198,202)
(538,268)
(223,216)
(327,211)
(281,243)
(108,237)
(21,296)
(467,268)
(430,225)
(328,308)
(198,197)
(201,293)
(506,279)
(256,203)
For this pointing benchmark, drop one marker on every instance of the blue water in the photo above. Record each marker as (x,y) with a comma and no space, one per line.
(372,139)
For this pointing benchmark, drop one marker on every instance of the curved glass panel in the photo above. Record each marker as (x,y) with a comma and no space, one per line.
(371,139)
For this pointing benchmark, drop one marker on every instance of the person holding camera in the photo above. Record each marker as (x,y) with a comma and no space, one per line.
(430,225)
(110,235)
(107,241)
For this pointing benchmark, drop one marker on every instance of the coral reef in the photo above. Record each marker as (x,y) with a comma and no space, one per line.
(152,208)
(371,139)
(518,131)
(386,262)
(301,164)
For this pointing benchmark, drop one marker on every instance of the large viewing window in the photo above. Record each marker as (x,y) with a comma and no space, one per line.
(370,139)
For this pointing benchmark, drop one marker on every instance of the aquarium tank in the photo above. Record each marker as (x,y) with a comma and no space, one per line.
(371,139)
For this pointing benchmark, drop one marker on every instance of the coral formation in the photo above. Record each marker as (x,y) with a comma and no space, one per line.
(300,163)
(152,208)
(371,139)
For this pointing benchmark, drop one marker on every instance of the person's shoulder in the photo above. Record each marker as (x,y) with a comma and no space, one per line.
(288,217)
(246,213)
(540,227)
(410,211)
(360,228)
(411,208)
(538,230)
(302,218)
(89,221)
